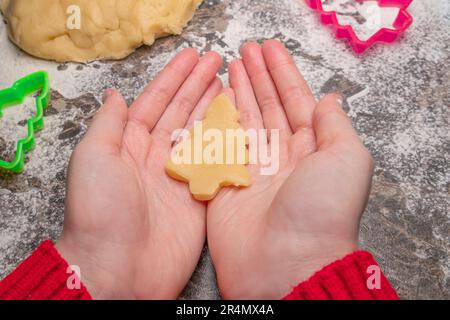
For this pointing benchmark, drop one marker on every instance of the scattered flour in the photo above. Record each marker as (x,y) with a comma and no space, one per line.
(366,17)
(405,130)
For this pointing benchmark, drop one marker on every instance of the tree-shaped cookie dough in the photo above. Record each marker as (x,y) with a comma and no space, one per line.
(214,154)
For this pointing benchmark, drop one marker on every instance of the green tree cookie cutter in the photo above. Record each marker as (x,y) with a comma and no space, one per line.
(35,82)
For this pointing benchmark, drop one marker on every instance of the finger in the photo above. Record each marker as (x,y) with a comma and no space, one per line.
(331,123)
(230,94)
(245,97)
(199,112)
(252,167)
(294,92)
(182,105)
(266,93)
(152,102)
(108,125)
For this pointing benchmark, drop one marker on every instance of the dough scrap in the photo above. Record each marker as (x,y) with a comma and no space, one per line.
(110,29)
(205,180)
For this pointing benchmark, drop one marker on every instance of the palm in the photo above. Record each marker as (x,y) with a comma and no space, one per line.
(242,209)
(268,237)
(173,221)
(237,223)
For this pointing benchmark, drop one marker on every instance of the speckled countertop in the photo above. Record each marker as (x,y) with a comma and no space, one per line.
(398,97)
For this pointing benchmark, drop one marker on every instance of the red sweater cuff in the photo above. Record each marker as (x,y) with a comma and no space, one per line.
(43,276)
(355,277)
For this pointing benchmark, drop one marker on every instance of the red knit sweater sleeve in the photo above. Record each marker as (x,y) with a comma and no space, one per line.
(45,275)
(355,277)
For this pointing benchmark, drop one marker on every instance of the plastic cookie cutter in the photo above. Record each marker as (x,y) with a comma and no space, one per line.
(401,23)
(35,82)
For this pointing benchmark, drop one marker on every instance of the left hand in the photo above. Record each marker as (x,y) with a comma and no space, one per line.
(269,237)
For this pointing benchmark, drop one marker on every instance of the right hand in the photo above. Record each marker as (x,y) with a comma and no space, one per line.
(133,231)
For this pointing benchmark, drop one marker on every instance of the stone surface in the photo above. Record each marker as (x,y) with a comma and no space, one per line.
(397,95)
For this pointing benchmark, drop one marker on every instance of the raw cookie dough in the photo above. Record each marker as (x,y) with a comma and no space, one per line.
(206,179)
(110,29)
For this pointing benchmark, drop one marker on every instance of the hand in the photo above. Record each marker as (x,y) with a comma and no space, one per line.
(267,238)
(133,231)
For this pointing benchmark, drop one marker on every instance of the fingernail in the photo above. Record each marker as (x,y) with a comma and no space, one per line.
(340,100)
(106,94)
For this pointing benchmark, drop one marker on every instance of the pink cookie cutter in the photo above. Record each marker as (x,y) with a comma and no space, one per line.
(401,23)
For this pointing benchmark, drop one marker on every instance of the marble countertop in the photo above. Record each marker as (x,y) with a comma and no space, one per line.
(398,97)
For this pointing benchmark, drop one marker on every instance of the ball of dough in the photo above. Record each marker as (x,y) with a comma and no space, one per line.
(109,29)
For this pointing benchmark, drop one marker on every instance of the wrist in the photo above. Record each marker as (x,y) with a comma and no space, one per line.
(82,262)
(347,278)
(308,257)
(323,255)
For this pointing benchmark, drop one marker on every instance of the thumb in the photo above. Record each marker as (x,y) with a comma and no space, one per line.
(108,125)
(331,123)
